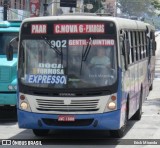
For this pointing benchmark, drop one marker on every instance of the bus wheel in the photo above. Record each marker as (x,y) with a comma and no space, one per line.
(40,132)
(151,87)
(120,132)
(138,114)
(117,133)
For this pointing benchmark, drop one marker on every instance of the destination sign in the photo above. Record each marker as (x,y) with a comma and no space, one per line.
(38,29)
(95,42)
(79,28)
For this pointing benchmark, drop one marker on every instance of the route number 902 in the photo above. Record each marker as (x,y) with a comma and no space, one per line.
(58,43)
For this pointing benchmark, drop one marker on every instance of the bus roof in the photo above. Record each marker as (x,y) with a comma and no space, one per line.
(150,26)
(10,29)
(6,24)
(10,26)
(121,23)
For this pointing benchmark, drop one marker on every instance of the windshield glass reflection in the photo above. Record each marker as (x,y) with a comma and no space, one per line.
(79,64)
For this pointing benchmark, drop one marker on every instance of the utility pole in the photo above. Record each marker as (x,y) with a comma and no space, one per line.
(45,8)
(71,11)
(5,7)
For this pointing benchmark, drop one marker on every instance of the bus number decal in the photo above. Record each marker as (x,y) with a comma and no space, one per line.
(58,43)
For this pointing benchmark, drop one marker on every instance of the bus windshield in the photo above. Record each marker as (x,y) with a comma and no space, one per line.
(5,38)
(68,63)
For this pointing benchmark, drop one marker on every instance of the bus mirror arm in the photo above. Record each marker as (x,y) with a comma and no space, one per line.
(9,52)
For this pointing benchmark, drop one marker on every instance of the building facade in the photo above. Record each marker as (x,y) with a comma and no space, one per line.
(15,4)
(16,9)
(110,6)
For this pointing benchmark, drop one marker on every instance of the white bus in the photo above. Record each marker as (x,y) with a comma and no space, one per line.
(151,45)
(61,85)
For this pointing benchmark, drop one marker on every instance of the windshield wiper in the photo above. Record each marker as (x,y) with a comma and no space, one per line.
(50,45)
(85,52)
(59,53)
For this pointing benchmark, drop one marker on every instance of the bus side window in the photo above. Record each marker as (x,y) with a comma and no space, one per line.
(128,46)
(125,49)
(141,44)
(143,41)
(154,44)
(136,45)
(146,46)
(132,47)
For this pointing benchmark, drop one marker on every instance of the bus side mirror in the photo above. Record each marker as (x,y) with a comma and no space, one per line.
(9,52)
(10,47)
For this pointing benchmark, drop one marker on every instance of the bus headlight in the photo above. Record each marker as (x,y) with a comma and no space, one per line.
(15,87)
(24,105)
(112,105)
(10,87)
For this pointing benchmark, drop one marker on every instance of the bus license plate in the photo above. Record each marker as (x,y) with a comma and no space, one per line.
(66,118)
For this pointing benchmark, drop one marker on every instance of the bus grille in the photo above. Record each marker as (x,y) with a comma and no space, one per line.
(72,106)
(4,74)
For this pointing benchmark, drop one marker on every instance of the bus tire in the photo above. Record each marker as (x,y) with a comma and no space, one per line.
(120,132)
(117,133)
(40,132)
(151,87)
(138,114)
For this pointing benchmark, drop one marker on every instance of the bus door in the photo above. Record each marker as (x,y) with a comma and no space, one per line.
(131,65)
(133,73)
(129,72)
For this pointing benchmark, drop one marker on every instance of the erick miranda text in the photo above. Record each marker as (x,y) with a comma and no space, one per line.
(145,142)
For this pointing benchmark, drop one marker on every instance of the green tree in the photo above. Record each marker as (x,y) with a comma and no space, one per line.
(156,4)
(96,5)
(136,7)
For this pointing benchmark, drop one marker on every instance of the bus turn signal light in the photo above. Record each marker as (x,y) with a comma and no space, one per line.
(22,97)
(113,98)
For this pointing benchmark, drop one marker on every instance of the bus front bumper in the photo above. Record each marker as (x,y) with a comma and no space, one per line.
(105,121)
(8,98)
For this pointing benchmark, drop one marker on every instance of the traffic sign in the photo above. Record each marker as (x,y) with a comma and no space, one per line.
(68,3)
